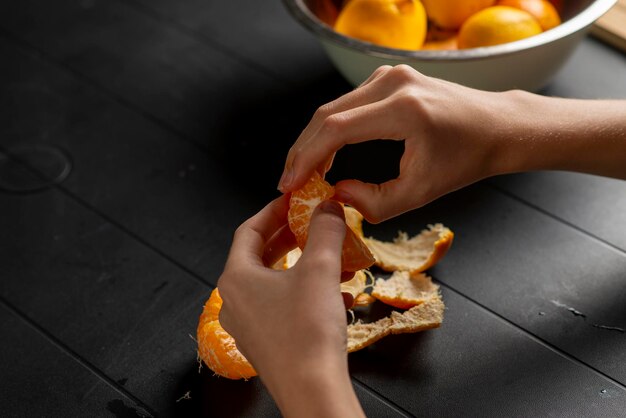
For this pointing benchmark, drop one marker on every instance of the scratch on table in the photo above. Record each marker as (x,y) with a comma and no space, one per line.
(574,311)
(618,329)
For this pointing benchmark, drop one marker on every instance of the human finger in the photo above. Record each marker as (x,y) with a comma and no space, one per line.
(378,202)
(251,236)
(280,244)
(325,168)
(377,120)
(327,231)
(373,92)
(377,73)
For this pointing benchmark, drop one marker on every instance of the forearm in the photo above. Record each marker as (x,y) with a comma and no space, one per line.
(541,133)
(320,390)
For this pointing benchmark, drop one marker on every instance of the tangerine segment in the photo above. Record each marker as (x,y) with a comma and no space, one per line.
(355,255)
(216,347)
(212,307)
(302,204)
(354,219)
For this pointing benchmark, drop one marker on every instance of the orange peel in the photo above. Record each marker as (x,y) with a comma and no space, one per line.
(404,290)
(427,315)
(415,254)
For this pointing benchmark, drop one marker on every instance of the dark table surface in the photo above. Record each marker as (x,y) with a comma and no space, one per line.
(176,117)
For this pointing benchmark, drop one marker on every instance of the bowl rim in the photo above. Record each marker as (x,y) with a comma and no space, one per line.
(582,20)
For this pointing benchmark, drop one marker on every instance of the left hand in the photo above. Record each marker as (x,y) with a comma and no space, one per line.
(291,324)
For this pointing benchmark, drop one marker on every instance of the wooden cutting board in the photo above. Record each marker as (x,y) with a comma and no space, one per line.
(611,27)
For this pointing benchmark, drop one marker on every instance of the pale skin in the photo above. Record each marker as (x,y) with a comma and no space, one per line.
(454,136)
(291,324)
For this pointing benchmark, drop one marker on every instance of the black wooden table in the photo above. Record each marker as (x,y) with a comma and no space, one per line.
(175,117)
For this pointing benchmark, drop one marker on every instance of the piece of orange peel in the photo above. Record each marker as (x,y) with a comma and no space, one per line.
(407,289)
(415,254)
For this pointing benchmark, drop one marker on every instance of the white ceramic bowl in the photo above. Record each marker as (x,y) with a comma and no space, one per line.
(528,64)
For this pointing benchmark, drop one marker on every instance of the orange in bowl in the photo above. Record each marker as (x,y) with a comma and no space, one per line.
(497,25)
(450,14)
(399,24)
(542,10)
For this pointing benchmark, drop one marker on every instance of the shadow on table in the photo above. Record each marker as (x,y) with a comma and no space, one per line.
(258,135)
(205,395)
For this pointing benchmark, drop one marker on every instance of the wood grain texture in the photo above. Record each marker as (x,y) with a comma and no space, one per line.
(178,127)
(611,27)
(39,378)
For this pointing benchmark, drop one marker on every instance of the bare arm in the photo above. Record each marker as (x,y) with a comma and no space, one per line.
(587,136)
(455,136)
(291,324)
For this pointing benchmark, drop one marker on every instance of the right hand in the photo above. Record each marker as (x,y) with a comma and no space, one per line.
(448,131)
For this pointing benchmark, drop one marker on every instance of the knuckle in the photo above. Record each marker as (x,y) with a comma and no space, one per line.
(333,124)
(374,216)
(410,103)
(323,111)
(408,99)
(241,229)
(382,69)
(404,73)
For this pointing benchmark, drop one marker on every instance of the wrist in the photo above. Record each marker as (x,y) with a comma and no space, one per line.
(514,132)
(536,132)
(318,388)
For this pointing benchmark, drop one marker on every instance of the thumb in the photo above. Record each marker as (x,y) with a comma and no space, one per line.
(377,202)
(327,231)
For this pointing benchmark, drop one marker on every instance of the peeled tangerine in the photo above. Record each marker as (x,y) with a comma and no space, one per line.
(354,255)
(407,288)
(397,24)
(216,348)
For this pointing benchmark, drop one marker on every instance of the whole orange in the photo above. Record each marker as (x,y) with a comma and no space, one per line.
(542,10)
(440,39)
(497,25)
(450,14)
(397,24)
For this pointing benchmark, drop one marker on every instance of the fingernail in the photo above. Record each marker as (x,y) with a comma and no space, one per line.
(343,196)
(285,180)
(330,206)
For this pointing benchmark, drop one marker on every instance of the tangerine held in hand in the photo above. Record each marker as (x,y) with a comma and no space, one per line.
(355,255)
(216,347)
